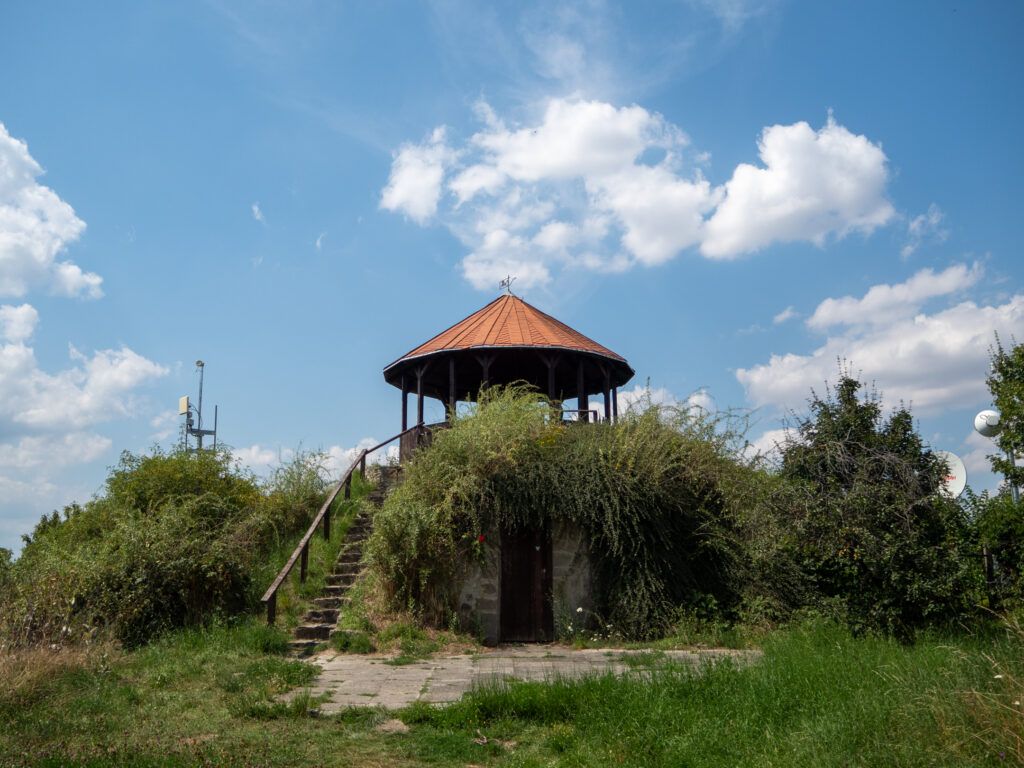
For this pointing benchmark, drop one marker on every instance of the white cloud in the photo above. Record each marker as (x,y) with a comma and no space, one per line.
(257,213)
(703,400)
(417,171)
(787,314)
(259,458)
(926,226)
(35,227)
(883,304)
(642,396)
(768,444)
(930,361)
(813,185)
(46,451)
(589,185)
(17,324)
(320,241)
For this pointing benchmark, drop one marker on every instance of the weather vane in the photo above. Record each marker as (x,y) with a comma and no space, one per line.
(507,284)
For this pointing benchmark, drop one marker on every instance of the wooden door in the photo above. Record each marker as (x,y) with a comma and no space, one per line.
(526,614)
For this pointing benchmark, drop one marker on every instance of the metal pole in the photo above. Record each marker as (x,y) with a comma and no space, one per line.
(199,436)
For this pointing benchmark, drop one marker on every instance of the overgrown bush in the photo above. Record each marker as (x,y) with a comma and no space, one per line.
(174,540)
(654,494)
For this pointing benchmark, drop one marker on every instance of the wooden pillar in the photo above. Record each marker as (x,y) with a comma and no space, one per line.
(451,388)
(582,404)
(615,403)
(405,404)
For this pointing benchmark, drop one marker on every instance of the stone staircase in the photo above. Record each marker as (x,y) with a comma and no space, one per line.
(320,622)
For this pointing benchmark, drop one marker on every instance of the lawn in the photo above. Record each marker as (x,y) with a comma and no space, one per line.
(819,697)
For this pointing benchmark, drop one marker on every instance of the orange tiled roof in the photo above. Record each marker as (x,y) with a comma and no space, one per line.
(508,321)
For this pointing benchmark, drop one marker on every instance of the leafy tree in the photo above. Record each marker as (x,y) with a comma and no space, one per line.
(874,534)
(1006,383)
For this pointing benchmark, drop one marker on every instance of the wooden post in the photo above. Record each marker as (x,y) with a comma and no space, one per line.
(615,403)
(362,465)
(348,487)
(582,403)
(304,562)
(485,363)
(451,388)
(272,609)
(405,404)
(327,525)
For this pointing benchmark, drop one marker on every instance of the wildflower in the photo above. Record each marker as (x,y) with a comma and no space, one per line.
(580,609)
(1016,703)
(998,677)
(480,539)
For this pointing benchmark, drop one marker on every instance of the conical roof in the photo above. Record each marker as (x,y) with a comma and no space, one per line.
(508,321)
(509,341)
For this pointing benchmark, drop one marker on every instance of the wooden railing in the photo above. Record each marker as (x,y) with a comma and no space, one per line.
(301,553)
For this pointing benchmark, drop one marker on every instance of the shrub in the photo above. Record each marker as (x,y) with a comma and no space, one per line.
(873,533)
(175,540)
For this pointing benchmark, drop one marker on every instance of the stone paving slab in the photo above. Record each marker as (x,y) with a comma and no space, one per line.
(350,680)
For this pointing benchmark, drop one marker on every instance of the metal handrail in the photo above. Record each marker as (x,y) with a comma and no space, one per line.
(301,553)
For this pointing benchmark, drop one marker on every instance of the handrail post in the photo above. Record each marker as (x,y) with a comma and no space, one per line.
(272,609)
(362,465)
(348,487)
(327,525)
(304,562)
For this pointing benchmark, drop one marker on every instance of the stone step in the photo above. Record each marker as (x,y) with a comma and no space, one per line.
(340,579)
(321,616)
(333,590)
(330,602)
(318,631)
(303,647)
(349,557)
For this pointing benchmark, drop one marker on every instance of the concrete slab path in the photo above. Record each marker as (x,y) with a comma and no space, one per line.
(351,680)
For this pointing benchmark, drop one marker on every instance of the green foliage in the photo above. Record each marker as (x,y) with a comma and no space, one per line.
(1006,383)
(1000,525)
(872,532)
(656,495)
(176,539)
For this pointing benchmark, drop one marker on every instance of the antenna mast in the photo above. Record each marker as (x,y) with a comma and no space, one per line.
(186,409)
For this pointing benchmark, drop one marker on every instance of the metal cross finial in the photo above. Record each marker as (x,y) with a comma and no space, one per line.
(507,284)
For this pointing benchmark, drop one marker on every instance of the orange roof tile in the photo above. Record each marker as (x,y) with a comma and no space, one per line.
(508,321)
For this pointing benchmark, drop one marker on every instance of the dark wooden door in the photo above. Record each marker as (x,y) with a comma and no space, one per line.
(526,614)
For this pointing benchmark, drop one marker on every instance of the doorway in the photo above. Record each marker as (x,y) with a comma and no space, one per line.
(526,577)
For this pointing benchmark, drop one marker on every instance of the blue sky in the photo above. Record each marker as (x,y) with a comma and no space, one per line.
(730,194)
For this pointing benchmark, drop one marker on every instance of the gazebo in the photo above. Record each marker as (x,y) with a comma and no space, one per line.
(526,575)
(506,341)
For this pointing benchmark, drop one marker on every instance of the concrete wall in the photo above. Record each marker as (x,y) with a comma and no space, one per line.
(480,591)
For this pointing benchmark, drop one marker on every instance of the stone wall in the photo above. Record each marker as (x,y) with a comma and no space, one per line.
(480,594)
(571,580)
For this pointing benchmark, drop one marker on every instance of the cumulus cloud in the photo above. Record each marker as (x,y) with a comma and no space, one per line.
(261,458)
(594,186)
(36,226)
(930,361)
(812,185)
(47,419)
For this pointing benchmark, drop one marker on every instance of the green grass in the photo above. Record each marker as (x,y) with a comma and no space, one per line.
(817,698)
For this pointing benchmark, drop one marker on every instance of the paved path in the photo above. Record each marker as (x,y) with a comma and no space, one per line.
(366,681)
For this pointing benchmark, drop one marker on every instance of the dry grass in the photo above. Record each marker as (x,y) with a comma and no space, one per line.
(26,672)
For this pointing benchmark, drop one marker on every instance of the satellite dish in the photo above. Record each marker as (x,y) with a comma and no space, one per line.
(987,423)
(955,481)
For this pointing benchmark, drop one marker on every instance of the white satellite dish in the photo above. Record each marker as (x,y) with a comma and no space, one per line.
(953,484)
(987,423)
